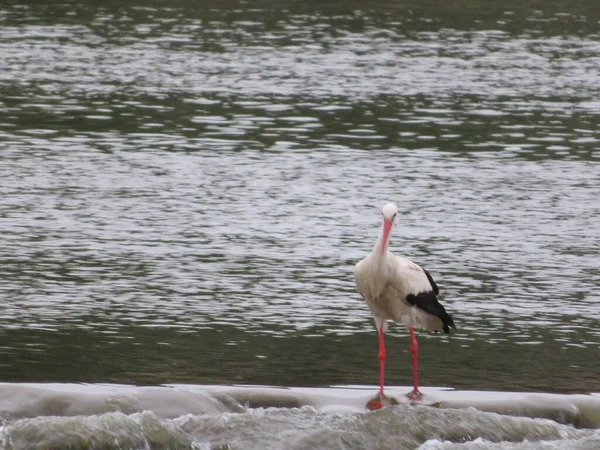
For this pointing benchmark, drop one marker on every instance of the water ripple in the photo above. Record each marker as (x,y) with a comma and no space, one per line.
(165,170)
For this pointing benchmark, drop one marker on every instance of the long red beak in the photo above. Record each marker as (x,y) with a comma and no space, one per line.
(387,227)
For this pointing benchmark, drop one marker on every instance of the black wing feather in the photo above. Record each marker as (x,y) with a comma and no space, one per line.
(428,302)
(435,287)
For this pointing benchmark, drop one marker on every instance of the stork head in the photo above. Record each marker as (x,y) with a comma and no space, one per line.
(389,212)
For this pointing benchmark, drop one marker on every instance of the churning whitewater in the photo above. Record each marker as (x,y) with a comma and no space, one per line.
(86,417)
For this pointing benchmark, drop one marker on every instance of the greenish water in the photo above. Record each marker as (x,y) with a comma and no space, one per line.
(184,189)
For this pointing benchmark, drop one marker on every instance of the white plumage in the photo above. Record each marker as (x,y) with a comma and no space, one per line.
(385,284)
(397,289)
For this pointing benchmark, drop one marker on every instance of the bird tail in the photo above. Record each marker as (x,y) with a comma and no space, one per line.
(447,322)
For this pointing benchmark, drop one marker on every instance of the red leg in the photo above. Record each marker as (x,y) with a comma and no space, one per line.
(381,400)
(381,360)
(414,349)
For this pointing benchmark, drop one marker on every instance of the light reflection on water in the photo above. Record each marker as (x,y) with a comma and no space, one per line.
(224,178)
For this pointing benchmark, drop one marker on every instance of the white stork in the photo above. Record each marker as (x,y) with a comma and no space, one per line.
(399,290)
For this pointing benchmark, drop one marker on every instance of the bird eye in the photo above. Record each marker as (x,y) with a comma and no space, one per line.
(394,216)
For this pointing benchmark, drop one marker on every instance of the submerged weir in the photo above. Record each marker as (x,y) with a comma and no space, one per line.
(92,416)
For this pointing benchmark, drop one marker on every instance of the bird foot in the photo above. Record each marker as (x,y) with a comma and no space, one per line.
(381,401)
(415,396)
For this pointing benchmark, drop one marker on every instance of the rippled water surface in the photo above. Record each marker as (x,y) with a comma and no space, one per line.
(184,190)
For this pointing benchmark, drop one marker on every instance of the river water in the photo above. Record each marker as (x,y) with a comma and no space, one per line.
(185,188)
